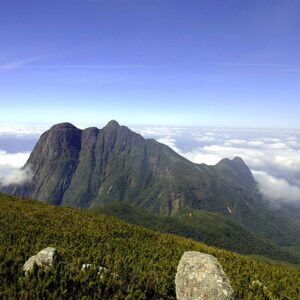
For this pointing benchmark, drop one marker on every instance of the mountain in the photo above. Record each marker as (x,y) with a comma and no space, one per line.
(95,167)
(89,167)
(144,261)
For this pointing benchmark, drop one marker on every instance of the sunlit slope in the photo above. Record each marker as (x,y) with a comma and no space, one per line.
(144,260)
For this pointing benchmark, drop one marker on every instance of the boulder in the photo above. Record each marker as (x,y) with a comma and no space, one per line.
(200,276)
(45,259)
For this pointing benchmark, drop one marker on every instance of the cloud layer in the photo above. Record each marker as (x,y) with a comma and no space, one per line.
(11,171)
(21,130)
(277,189)
(15,176)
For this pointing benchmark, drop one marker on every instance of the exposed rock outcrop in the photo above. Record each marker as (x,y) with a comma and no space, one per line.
(200,276)
(45,258)
(91,167)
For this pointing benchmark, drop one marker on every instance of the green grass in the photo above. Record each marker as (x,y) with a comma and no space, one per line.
(145,260)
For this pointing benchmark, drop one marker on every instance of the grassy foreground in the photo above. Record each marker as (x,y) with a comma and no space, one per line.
(144,260)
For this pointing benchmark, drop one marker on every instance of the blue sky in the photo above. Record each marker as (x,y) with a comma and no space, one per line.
(159,62)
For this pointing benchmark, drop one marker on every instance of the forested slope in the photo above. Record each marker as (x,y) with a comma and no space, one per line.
(211,228)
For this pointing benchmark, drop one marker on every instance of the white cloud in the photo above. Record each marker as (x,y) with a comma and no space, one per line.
(15,176)
(268,139)
(13,160)
(11,171)
(210,133)
(236,142)
(205,138)
(159,132)
(169,141)
(289,160)
(277,189)
(206,158)
(279,155)
(255,143)
(214,153)
(279,146)
(20,130)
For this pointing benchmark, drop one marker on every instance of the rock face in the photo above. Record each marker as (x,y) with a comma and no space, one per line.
(200,276)
(45,258)
(92,167)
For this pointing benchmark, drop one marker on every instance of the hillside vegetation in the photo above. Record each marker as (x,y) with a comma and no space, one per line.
(211,228)
(145,261)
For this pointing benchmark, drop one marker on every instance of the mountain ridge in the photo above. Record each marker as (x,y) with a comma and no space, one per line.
(95,167)
(65,142)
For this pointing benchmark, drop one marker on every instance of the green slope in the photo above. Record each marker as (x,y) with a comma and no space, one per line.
(144,260)
(214,229)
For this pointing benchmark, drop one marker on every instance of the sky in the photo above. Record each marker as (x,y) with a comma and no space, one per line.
(211,63)
(211,79)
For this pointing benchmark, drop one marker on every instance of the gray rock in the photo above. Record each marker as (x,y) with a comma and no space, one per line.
(45,259)
(200,276)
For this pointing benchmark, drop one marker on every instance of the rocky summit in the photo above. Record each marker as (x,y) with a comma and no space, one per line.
(200,277)
(85,168)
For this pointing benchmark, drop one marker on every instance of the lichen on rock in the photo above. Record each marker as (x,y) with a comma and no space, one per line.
(45,259)
(200,276)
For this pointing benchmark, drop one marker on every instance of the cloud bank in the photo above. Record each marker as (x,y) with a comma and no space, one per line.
(11,171)
(15,176)
(22,130)
(277,189)
(13,160)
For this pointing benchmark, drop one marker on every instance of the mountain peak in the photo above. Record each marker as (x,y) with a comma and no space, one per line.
(238,159)
(64,125)
(112,124)
(235,162)
(238,169)
(238,162)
